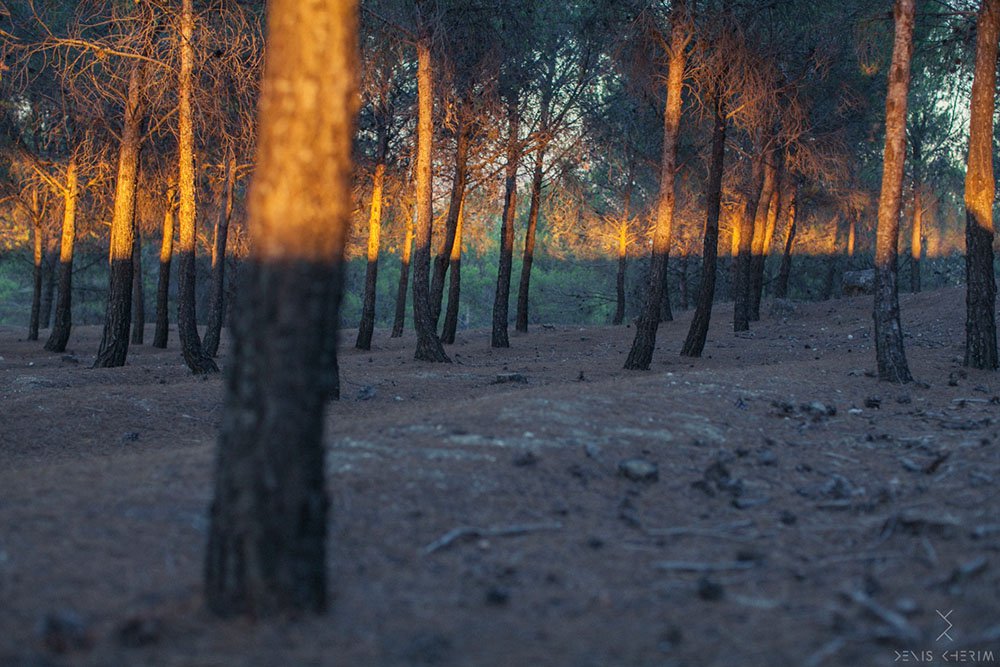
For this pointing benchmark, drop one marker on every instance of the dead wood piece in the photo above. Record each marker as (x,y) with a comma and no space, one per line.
(463,532)
(900,627)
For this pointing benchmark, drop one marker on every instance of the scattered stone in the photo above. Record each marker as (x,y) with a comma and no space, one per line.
(904,399)
(787,518)
(528,458)
(818,411)
(873,402)
(639,470)
(139,631)
(716,479)
(767,458)
(131,436)
(366,393)
(69,359)
(63,631)
(595,543)
(507,378)
(709,590)
(748,503)
(592,451)
(581,377)
(497,596)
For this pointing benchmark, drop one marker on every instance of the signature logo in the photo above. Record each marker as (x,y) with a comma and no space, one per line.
(944,617)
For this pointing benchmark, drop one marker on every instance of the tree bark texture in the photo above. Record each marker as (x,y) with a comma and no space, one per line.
(428,344)
(917,230)
(762,220)
(641,354)
(267,538)
(889,351)
(742,284)
(694,344)
(451,221)
(784,272)
(454,283)
(38,243)
(404,276)
(138,293)
(366,328)
(197,359)
(48,288)
(981,289)
(521,317)
(117,318)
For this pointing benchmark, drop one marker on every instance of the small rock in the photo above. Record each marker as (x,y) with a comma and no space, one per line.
(767,458)
(787,518)
(818,411)
(592,451)
(639,470)
(595,543)
(63,631)
(873,402)
(69,359)
(131,436)
(497,596)
(505,378)
(366,393)
(741,503)
(904,399)
(528,458)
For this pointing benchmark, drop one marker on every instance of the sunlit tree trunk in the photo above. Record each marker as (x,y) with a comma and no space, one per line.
(784,272)
(443,257)
(404,276)
(187,326)
(163,281)
(138,293)
(267,538)
(117,317)
(524,286)
(694,344)
(366,328)
(454,283)
(217,299)
(758,242)
(851,238)
(59,336)
(889,351)
(428,344)
(619,317)
(917,230)
(981,289)
(641,353)
(501,302)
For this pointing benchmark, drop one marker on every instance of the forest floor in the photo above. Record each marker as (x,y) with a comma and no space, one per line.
(804,513)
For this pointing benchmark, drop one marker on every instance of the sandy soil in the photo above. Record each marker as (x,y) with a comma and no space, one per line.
(804,513)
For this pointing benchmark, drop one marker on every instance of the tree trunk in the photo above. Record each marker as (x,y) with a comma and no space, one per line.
(682,280)
(217,300)
(781,288)
(451,221)
(198,360)
(619,317)
(117,317)
(404,277)
(762,220)
(59,336)
(48,288)
(641,354)
(694,344)
(918,215)
(832,262)
(138,293)
(521,318)
(501,301)
(890,354)
(742,282)
(267,539)
(851,238)
(36,290)
(981,289)
(454,283)
(428,344)
(163,281)
(366,328)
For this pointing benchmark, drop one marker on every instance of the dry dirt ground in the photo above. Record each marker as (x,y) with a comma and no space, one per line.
(804,513)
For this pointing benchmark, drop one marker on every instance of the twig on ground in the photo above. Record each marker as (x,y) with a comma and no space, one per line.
(462,532)
(827,650)
(691,566)
(899,625)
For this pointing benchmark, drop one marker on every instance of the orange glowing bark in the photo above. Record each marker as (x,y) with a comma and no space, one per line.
(163,281)
(63,323)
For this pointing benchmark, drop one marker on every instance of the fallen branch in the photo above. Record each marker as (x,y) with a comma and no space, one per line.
(463,532)
(691,566)
(899,625)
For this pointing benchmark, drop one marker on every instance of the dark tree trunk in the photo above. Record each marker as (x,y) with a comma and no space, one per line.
(641,354)
(36,290)
(48,288)
(138,293)
(682,281)
(694,344)
(267,539)
(451,222)
(521,319)
(760,231)
(501,302)
(454,284)
(217,300)
(117,317)
(404,277)
(187,325)
(619,317)
(781,286)
(366,327)
(744,259)
(428,344)
(889,350)
(832,263)
(59,336)
(980,190)
(163,281)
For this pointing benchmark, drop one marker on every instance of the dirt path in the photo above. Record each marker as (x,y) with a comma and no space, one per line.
(804,513)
